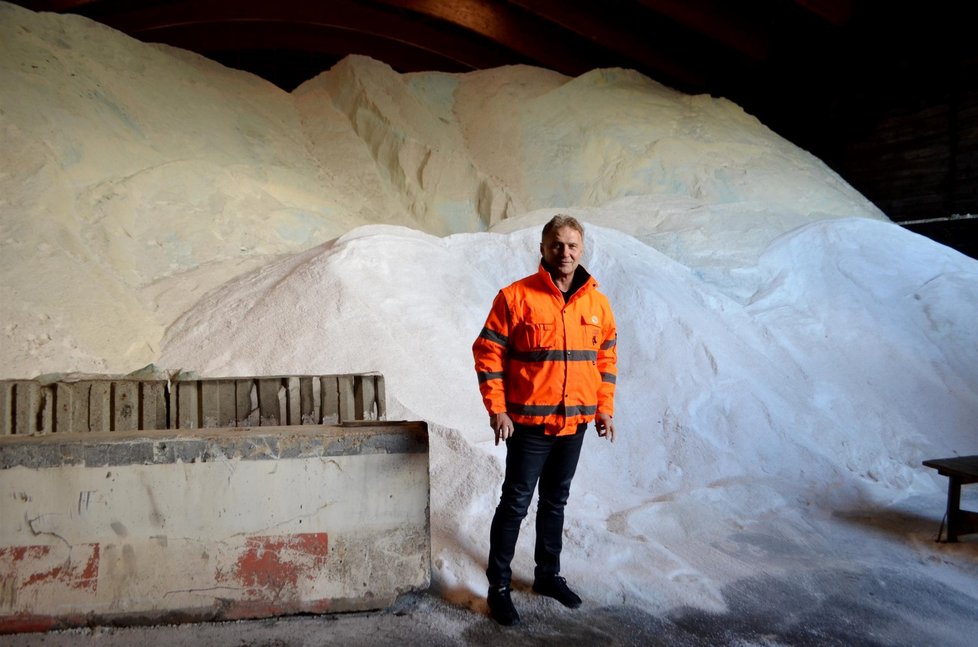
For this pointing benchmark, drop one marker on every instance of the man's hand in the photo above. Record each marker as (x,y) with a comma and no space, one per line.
(605,425)
(501,425)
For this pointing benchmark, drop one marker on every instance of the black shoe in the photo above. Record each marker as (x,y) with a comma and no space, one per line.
(501,606)
(556,588)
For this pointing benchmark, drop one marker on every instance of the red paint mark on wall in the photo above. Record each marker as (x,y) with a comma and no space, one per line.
(36,566)
(82,576)
(271,568)
(21,553)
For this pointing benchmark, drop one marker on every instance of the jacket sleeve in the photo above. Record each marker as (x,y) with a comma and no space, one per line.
(489,351)
(608,365)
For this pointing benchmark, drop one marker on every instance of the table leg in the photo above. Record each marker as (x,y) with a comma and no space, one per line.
(953,508)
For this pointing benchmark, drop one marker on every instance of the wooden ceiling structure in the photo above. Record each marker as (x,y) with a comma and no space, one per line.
(884,92)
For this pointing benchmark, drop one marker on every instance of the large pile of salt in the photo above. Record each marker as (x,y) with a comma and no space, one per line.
(820,385)
(136,177)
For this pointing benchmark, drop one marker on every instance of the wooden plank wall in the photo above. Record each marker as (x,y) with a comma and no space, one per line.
(920,161)
(30,407)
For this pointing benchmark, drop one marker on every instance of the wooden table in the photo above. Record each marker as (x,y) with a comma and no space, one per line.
(959,470)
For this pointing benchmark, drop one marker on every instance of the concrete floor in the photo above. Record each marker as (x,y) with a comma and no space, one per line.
(875,607)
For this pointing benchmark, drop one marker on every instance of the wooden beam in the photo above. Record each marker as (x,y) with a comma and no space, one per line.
(632,45)
(568,36)
(221,40)
(718,21)
(501,22)
(185,23)
(57,6)
(836,12)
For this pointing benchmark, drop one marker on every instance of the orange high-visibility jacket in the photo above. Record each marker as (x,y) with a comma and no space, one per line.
(543,361)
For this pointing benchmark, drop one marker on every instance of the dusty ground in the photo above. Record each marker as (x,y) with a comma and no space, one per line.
(878,606)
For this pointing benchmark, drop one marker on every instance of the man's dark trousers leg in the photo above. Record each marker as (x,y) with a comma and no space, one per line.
(532,456)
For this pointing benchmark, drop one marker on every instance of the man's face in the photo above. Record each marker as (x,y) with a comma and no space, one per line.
(562,249)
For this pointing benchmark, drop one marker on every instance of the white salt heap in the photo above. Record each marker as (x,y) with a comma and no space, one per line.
(787,355)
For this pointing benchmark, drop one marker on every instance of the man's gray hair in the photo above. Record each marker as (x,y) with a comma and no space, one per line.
(559,222)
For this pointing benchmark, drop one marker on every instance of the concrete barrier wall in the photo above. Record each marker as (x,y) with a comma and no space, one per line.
(127,404)
(164,526)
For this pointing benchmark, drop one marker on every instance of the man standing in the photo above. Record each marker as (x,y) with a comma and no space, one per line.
(546,366)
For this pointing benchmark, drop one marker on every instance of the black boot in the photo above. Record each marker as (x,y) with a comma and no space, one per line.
(556,587)
(501,606)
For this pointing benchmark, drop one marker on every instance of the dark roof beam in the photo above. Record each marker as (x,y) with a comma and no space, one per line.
(57,6)
(221,41)
(719,21)
(617,34)
(535,40)
(836,12)
(164,22)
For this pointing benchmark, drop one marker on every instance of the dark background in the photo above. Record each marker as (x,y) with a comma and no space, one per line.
(884,92)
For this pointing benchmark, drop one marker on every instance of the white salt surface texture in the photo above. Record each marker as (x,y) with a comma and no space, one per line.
(819,395)
(787,356)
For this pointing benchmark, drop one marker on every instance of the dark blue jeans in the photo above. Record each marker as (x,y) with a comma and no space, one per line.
(531,457)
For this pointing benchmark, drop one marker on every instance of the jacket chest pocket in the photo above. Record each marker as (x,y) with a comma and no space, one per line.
(590,331)
(533,335)
(592,336)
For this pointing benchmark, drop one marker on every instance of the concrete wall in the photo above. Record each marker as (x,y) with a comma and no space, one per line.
(164,526)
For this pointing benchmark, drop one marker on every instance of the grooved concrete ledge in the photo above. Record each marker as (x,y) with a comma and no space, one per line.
(127,404)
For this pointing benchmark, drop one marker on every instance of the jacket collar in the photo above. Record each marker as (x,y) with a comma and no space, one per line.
(582,279)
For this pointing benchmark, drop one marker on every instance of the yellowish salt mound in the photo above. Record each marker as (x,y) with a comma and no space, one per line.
(137,177)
